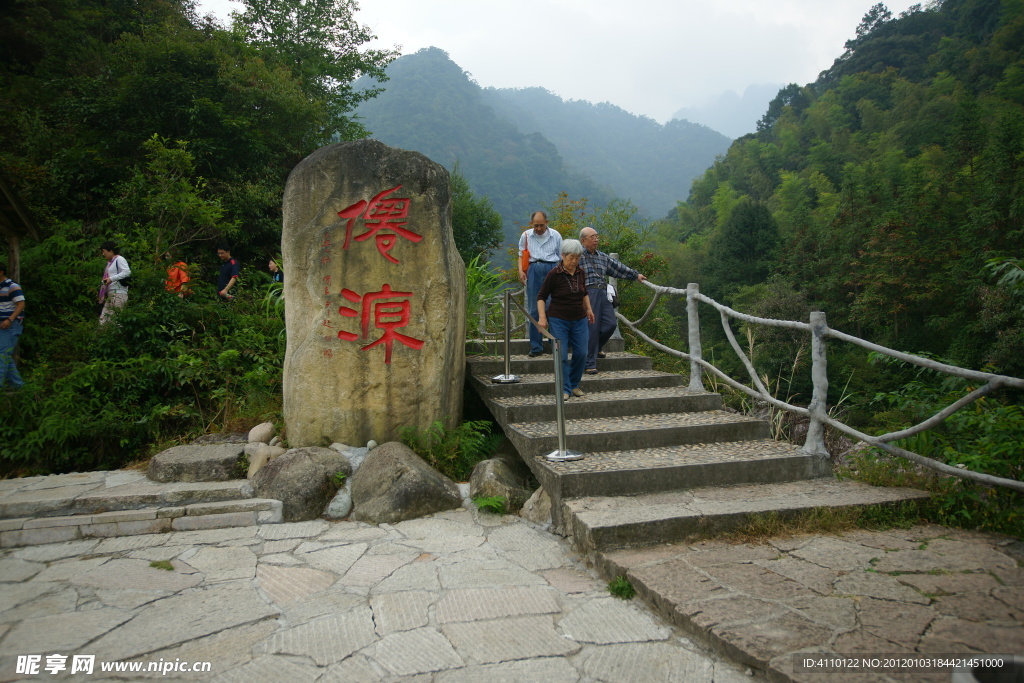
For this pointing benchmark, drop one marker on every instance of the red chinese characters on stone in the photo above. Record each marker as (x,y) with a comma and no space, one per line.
(380,214)
(387,316)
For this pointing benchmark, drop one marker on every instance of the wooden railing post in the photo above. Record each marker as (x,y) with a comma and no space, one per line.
(818,408)
(693,336)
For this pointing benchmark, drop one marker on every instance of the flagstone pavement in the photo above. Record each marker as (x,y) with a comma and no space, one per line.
(458,596)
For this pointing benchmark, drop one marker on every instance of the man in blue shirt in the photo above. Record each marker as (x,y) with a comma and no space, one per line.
(12,314)
(229,272)
(598,266)
(545,245)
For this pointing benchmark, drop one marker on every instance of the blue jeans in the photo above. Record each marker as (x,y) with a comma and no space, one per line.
(8,371)
(604,323)
(534,279)
(574,334)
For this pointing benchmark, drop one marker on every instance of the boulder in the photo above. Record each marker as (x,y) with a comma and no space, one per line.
(261,455)
(196,463)
(252,447)
(538,508)
(507,452)
(376,295)
(341,505)
(221,437)
(494,477)
(262,432)
(302,479)
(395,484)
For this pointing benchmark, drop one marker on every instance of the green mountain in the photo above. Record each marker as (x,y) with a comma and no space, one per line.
(880,192)
(639,159)
(521,148)
(431,106)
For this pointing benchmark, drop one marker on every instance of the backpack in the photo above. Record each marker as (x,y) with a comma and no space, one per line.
(126,282)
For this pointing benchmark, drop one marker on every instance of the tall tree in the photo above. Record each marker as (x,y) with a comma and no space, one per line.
(477,226)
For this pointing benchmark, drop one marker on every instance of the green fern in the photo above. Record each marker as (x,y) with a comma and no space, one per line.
(496,504)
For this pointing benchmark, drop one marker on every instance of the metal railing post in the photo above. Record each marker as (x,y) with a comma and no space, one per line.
(815,443)
(614,282)
(561,455)
(693,336)
(507,377)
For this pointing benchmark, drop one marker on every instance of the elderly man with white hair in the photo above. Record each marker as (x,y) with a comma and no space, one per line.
(598,266)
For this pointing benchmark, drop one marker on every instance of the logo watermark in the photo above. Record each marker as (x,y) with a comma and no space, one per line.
(33,665)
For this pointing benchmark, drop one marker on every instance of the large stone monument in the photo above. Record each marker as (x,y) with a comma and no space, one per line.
(375,296)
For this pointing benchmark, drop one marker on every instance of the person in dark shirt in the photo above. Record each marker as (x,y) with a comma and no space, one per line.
(569,315)
(229,272)
(275,271)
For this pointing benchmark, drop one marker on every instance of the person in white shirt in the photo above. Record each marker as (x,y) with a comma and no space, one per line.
(113,291)
(545,247)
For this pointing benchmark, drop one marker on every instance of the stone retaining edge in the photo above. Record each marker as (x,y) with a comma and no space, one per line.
(195,516)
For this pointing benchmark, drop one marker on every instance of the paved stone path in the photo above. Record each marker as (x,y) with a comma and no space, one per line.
(459,596)
(928,590)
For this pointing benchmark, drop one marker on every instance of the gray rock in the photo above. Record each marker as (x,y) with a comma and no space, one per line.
(303,480)
(261,455)
(262,432)
(356,456)
(507,452)
(341,505)
(251,448)
(276,441)
(221,437)
(395,484)
(370,445)
(196,463)
(495,478)
(538,508)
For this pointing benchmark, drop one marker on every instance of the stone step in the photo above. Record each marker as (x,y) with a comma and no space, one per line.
(520,347)
(524,365)
(684,466)
(97,492)
(619,403)
(635,432)
(154,520)
(617,380)
(601,523)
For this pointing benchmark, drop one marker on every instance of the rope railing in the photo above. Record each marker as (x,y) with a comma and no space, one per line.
(817,409)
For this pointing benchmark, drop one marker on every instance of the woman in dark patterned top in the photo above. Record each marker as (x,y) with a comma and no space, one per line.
(569,314)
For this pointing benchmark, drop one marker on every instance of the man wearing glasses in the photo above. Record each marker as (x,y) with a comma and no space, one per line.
(544,244)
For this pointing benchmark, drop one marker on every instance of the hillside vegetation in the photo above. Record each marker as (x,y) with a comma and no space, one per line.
(880,193)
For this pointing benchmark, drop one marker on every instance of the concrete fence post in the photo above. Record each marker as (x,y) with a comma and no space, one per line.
(818,408)
(693,336)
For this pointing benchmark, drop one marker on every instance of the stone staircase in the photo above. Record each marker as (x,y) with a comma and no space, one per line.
(661,462)
(67,507)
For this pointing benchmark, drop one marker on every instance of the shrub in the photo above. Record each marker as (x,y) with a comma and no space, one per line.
(452,452)
(621,588)
(496,504)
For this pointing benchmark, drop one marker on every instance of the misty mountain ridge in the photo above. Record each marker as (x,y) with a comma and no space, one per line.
(730,113)
(521,147)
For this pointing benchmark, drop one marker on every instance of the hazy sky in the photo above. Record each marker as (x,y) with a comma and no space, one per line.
(650,57)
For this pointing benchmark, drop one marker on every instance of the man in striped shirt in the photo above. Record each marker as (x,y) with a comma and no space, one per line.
(598,266)
(12,313)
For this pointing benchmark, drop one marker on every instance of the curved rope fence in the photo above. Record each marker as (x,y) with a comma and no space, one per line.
(817,409)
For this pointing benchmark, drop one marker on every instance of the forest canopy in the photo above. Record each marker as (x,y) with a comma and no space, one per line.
(881,192)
